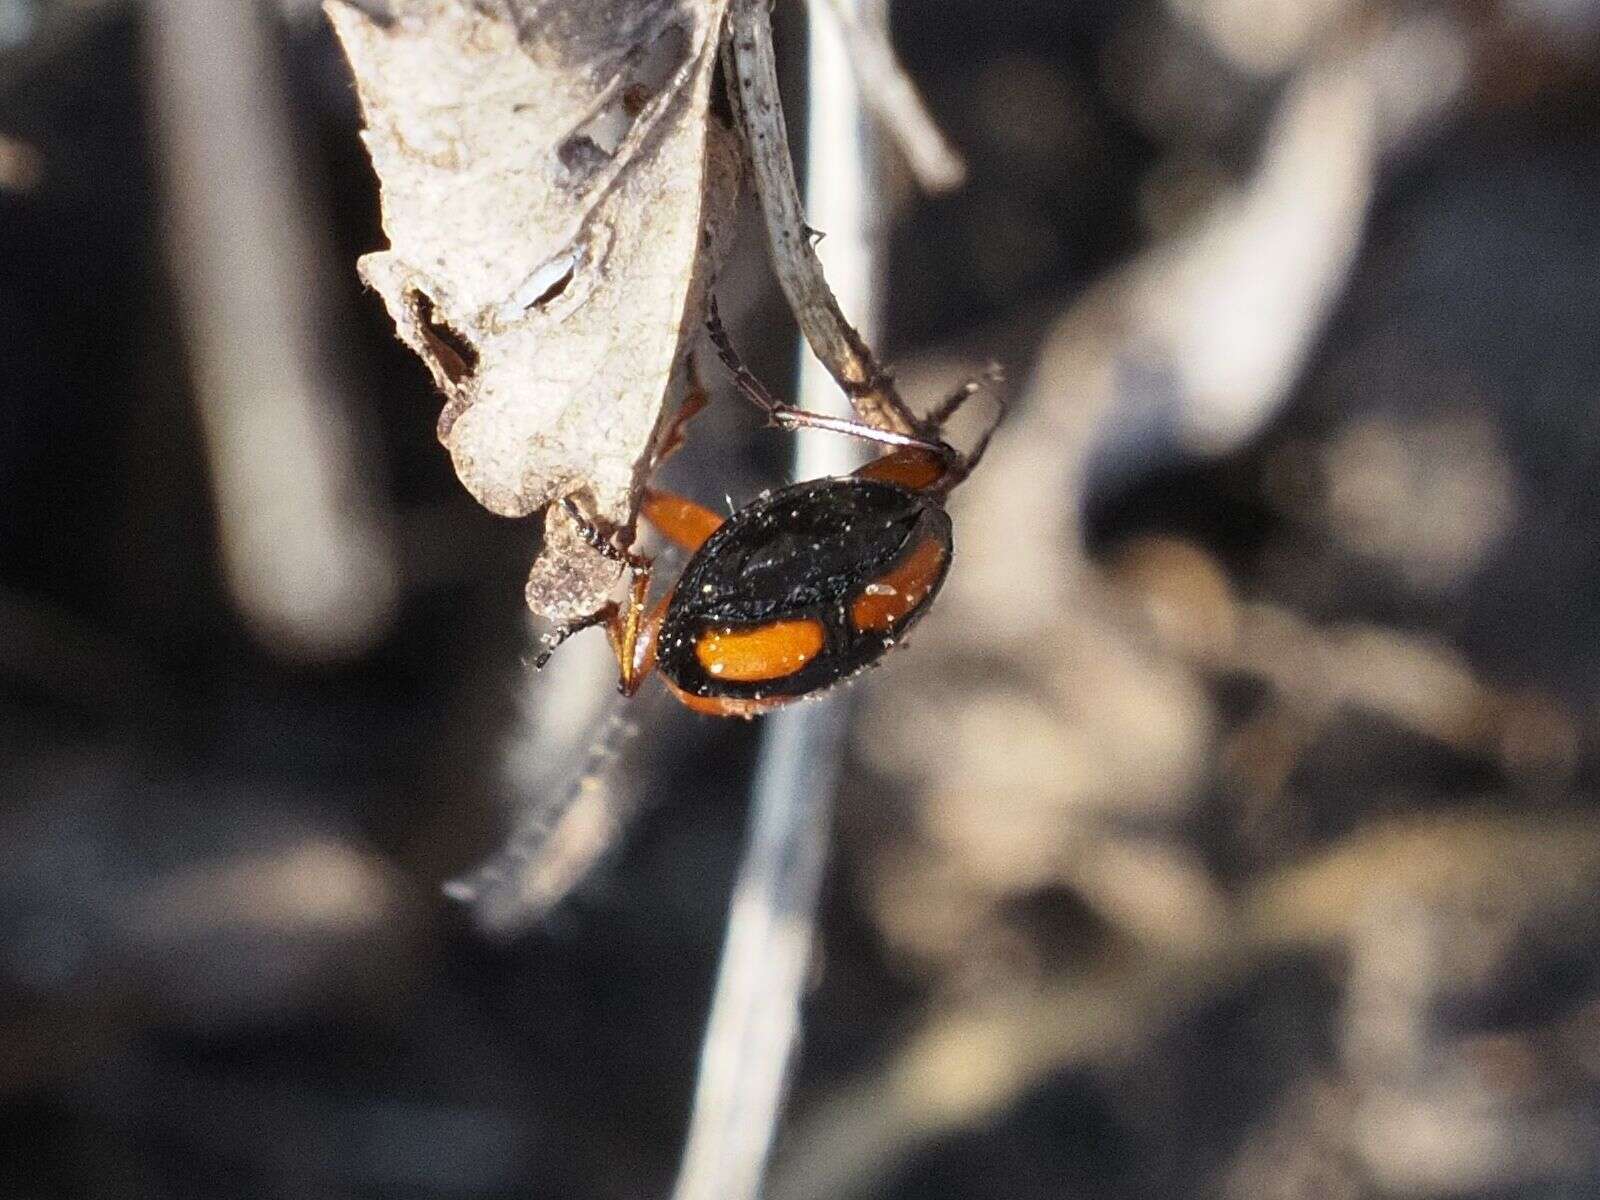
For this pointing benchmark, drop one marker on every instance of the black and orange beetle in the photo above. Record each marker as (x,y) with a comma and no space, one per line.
(800,588)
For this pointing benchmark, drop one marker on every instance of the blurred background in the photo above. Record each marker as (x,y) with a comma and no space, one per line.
(1227,829)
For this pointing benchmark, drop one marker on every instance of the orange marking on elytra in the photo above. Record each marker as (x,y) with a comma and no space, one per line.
(898,593)
(765,652)
(728,706)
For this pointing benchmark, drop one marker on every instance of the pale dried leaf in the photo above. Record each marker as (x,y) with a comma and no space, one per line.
(549,175)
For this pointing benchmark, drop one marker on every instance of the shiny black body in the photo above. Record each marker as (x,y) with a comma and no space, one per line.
(806,551)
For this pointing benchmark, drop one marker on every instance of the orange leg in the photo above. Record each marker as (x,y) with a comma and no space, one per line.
(631,630)
(682,522)
(633,634)
(625,627)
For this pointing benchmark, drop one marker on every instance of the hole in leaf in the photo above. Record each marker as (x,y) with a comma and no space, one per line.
(556,288)
(547,282)
(454,354)
(580,157)
(648,71)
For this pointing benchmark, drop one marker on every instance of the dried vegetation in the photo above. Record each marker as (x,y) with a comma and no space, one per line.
(1227,830)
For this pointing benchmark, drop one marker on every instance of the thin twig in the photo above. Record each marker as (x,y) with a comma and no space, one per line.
(893,99)
(755,1021)
(755,1014)
(750,63)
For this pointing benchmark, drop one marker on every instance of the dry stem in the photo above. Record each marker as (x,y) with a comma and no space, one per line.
(749,63)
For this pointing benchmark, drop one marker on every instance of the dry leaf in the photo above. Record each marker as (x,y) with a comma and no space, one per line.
(551,184)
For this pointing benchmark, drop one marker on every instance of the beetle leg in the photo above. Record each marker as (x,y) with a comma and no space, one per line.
(952,404)
(754,390)
(960,464)
(940,416)
(682,522)
(787,416)
(626,627)
(566,631)
(974,456)
(631,633)
(625,630)
(598,539)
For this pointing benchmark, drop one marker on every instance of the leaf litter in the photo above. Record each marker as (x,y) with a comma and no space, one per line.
(554,192)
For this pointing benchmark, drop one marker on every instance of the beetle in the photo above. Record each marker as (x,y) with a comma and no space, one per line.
(802,587)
